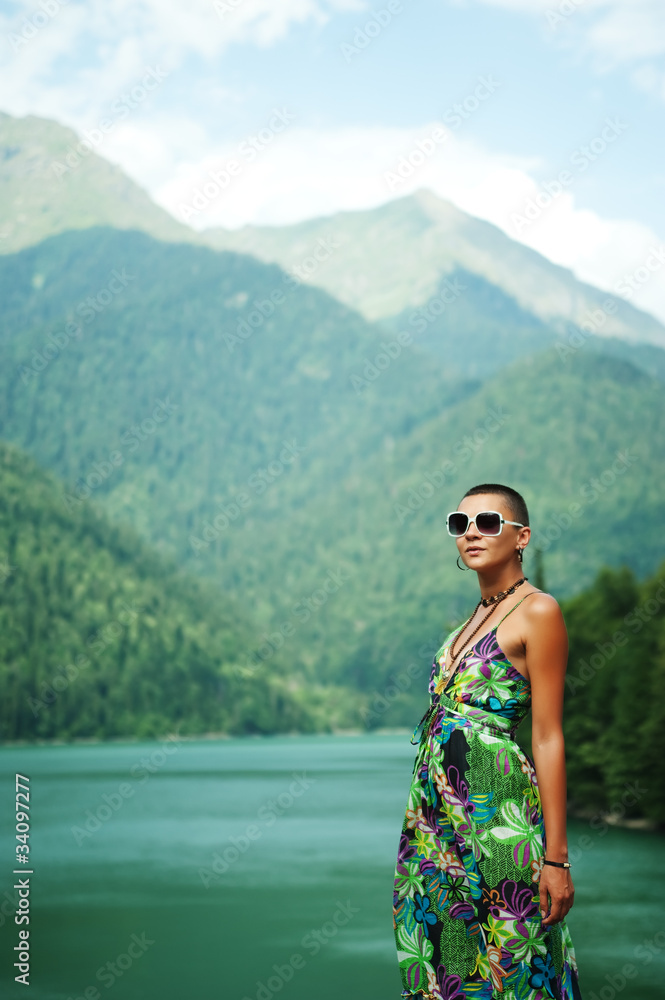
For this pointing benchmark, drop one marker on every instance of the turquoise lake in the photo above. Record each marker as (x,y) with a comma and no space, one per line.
(248,869)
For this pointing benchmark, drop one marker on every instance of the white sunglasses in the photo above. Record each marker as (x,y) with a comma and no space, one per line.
(487,522)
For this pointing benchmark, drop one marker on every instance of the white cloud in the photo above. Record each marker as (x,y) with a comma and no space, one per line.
(616,32)
(204,27)
(304,172)
(628,30)
(107,45)
(298,174)
(602,252)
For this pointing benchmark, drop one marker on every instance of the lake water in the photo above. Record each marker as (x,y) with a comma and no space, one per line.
(302,831)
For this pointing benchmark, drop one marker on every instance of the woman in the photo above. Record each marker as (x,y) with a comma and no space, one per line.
(482,882)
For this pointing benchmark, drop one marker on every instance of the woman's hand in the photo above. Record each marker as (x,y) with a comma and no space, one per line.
(557,884)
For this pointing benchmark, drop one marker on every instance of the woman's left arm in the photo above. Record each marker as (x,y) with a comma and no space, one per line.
(546,659)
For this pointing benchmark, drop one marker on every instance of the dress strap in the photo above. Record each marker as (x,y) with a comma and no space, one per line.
(517,605)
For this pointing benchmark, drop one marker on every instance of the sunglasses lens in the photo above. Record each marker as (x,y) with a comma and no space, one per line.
(457,523)
(488,523)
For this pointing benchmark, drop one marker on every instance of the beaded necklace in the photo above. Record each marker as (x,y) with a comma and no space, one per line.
(494,602)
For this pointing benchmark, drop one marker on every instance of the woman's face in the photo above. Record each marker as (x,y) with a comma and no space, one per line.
(482,552)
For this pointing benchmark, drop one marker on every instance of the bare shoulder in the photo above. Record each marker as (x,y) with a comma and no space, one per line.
(543,611)
(542,604)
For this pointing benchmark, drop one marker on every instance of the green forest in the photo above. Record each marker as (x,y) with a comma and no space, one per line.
(103,638)
(260,468)
(614,712)
(223,488)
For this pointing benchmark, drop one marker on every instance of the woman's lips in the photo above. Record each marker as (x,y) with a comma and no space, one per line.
(474,550)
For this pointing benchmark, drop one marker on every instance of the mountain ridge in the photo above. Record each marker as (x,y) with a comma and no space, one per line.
(398,253)
(50,181)
(100,636)
(213,487)
(389,259)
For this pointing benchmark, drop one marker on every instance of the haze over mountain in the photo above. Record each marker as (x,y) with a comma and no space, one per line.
(101,637)
(262,434)
(386,263)
(392,259)
(255,430)
(50,182)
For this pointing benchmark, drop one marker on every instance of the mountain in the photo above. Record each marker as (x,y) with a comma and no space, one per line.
(481,329)
(244,359)
(259,433)
(101,637)
(50,182)
(390,263)
(223,490)
(584,444)
(393,261)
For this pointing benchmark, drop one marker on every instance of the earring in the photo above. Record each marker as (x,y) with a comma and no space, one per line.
(462,567)
(520,555)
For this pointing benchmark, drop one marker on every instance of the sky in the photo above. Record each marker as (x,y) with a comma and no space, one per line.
(544,117)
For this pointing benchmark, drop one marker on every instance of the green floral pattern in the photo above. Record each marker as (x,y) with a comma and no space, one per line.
(465,903)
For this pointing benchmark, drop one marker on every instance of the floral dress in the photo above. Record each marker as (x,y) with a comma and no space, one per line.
(466,906)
